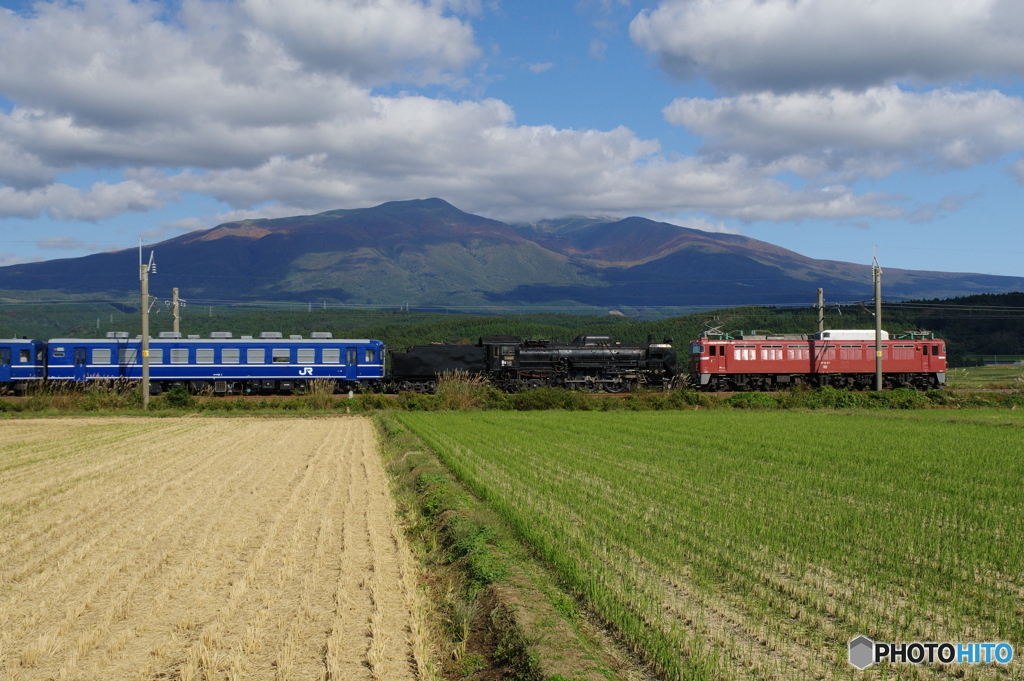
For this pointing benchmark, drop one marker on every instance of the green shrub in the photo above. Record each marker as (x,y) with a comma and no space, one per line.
(369,401)
(1012,401)
(485,567)
(417,402)
(179,397)
(687,397)
(752,401)
(825,397)
(438,494)
(473,541)
(647,401)
(612,404)
(546,398)
(467,535)
(905,398)
(940,397)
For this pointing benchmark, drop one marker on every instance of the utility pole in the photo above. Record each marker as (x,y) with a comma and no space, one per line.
(821,310)
(144,278)
(175,310)
(877,274)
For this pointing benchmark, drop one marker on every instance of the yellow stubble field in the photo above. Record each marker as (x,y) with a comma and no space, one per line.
(202,549)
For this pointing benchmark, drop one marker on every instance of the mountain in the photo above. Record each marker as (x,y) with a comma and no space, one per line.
(429,253)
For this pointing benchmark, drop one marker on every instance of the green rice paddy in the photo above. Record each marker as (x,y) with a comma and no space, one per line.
(725,545)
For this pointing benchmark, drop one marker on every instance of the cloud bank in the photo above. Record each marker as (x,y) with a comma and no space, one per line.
(792,45)
(261,101)
(270,107)
(850,89)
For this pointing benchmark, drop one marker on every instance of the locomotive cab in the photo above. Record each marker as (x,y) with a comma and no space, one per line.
(502,353)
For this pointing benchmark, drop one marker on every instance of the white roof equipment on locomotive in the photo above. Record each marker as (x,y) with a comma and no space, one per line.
(850,335)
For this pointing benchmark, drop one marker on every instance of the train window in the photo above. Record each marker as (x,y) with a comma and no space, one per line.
(744,352)
(101,355)
(23,355)
(924,350)
(204,355)
(696,349)
(306,355)
(256,356)
(126,355)
(850,351)
(281,355)
(5,356)
(230,355)
(370,356)
(58,354)
(352,356)
(505,350)
(179,355)
(332,355)
(770,352)
(903,351)
(156,356)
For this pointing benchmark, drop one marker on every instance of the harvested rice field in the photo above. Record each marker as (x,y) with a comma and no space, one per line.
(199,549)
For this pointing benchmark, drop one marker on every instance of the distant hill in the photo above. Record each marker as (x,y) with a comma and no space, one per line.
(429,253)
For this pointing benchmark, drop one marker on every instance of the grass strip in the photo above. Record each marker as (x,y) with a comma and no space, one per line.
(123,399)
(498,609)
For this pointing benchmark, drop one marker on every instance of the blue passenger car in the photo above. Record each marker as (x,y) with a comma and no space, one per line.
(221,363)
(22,361)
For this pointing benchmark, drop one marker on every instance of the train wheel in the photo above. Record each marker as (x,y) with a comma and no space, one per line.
(616,387)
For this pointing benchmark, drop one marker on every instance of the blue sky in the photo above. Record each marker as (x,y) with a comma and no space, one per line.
(823,126)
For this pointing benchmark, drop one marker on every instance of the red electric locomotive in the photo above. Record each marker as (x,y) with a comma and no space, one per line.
(840,358)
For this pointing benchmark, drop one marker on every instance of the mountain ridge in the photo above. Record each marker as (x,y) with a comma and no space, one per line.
(428,252)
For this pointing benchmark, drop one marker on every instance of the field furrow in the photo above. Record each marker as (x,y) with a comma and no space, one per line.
(201,549)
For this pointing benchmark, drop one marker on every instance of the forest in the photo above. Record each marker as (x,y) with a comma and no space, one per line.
(975,327)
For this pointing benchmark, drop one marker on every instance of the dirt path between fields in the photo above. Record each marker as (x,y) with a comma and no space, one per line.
(199,549)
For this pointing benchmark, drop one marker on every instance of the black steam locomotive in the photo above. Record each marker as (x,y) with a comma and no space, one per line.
(511,363)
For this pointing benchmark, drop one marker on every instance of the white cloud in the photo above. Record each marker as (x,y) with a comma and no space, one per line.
(225,100)
(172,228)
(7,258)
(371,42)
(704,225)
(786,45)
(540,67)
(872,132)
(62,202)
